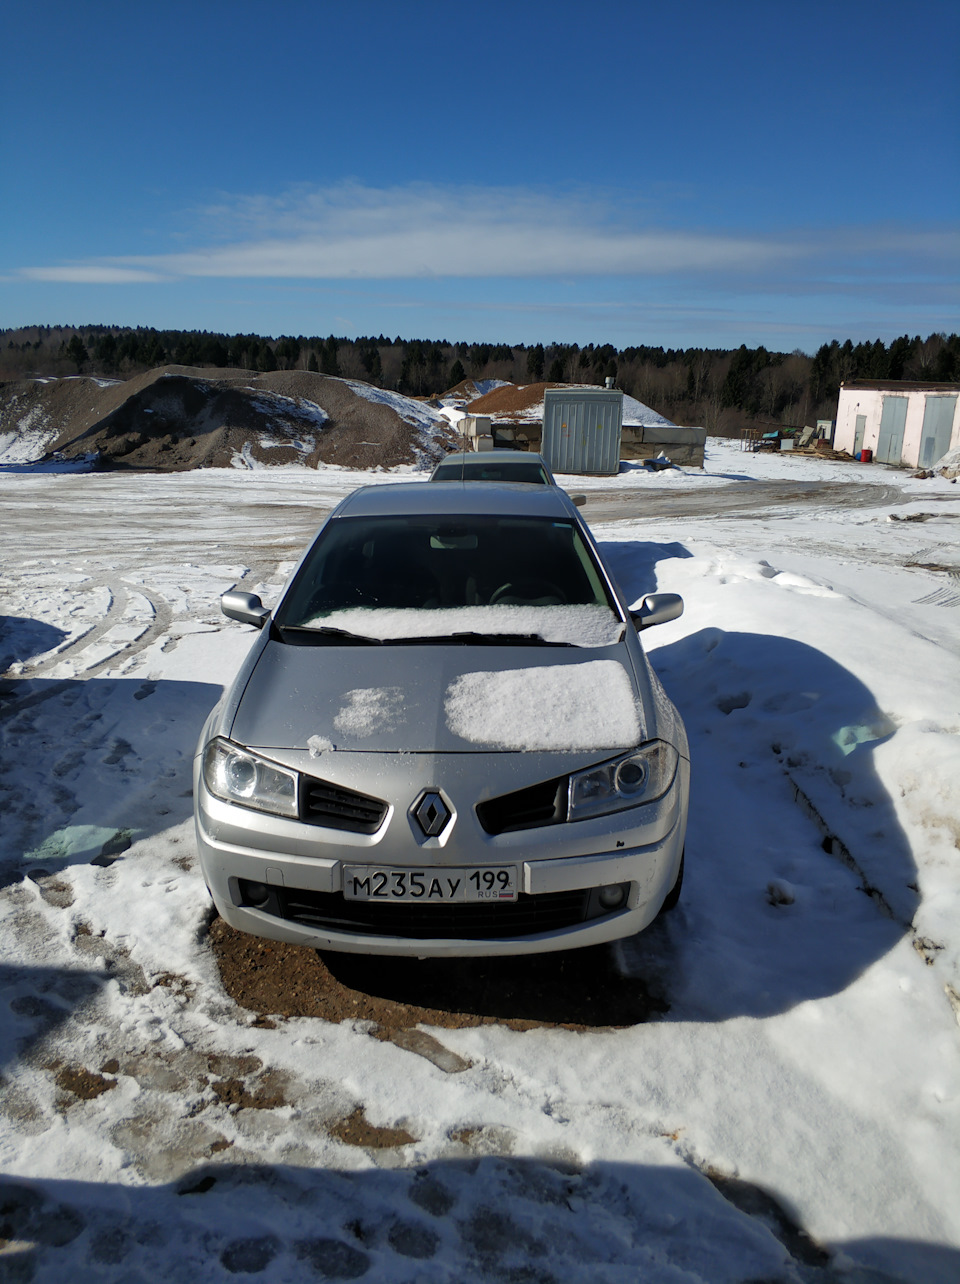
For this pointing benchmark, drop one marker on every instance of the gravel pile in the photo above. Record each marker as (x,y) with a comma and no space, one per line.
(513,401)
(519,403)
(176,418)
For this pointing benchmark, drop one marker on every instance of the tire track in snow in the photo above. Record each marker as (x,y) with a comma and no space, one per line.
(133,620)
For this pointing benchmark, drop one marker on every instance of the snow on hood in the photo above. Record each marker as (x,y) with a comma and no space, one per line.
(429,699)
(546,708)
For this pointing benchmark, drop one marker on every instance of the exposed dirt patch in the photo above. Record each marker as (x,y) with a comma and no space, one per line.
(83,1083)
(935,566)
(465,1136)
(55,891)
(181,986)
(266,1093)
(575,990)
(356,1130)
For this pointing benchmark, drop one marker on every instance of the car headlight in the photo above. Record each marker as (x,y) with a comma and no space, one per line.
(641,776)
(238,776)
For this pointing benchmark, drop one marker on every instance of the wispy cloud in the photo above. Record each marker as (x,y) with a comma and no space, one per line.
(102,273)
(428,232)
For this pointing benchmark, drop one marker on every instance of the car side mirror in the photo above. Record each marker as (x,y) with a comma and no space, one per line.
(657,608)
(246,608)
(579,500)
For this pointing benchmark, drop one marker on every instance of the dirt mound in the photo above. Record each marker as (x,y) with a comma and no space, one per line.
(514,400)
(470,389)
(523,403)
(177,418)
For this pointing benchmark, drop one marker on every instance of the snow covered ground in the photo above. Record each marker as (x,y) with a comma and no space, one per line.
(794,1115)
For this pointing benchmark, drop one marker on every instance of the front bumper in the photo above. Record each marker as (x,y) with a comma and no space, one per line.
(640,848)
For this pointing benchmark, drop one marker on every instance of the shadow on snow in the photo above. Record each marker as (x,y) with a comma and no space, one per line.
(470,1219)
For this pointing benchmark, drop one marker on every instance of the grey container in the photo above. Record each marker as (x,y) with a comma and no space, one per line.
(581,430)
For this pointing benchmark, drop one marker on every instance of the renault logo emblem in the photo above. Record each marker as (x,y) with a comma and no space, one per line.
(432,814)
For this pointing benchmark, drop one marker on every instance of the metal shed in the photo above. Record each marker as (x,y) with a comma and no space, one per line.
(581,430)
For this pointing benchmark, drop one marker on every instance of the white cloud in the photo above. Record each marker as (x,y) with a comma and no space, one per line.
(103,273)
(427,232)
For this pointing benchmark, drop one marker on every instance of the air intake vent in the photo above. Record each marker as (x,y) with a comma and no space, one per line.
(526,916)
(337,808)
(543,804)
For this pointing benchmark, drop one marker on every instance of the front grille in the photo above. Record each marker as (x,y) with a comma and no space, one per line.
(324,804)
(529,808)
(526,916)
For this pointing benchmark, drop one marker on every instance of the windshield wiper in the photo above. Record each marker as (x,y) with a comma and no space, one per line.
(504,639)
(329,633)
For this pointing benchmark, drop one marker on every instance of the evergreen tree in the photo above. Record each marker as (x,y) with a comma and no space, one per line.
(105,350)
(535,363)
(479,356)
(77,352)
(266,359)
(214,353)
(370,360)
(329,364)
(288,353)
(457,373)
(898,356)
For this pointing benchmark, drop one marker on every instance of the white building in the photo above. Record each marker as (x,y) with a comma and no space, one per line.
(902,423)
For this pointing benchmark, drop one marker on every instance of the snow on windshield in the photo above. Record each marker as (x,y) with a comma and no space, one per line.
(586,626)
(545,708)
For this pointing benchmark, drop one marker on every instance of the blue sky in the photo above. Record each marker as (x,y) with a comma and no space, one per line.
(697,174)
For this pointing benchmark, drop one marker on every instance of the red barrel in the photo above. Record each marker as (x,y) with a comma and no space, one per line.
(866,456)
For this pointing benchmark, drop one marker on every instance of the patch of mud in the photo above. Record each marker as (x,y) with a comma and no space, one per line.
(576,989)
(356,1130)
(267,1093)
(81,1083)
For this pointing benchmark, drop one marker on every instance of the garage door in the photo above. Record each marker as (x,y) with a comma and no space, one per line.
(937,424)
(892,420)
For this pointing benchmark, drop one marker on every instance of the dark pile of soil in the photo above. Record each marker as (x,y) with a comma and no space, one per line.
(512,402)
(176,418)
(467,390)
(576,989)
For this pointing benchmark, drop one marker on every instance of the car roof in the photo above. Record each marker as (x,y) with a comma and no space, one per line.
(407,499)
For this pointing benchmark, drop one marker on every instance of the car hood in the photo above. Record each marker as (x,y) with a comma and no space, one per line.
(440,698)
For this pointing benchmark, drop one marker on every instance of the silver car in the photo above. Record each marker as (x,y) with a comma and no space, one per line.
(446,739)
(494,465)
(503,466)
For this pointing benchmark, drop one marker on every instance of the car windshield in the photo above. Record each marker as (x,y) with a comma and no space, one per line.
(514,470)
(451,578)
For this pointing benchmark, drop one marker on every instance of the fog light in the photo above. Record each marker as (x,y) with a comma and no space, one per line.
(611,897)
(255,893)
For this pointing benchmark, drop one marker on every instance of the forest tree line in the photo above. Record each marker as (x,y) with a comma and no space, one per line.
(722,390)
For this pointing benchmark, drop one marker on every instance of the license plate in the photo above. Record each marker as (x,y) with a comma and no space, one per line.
(430,886)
